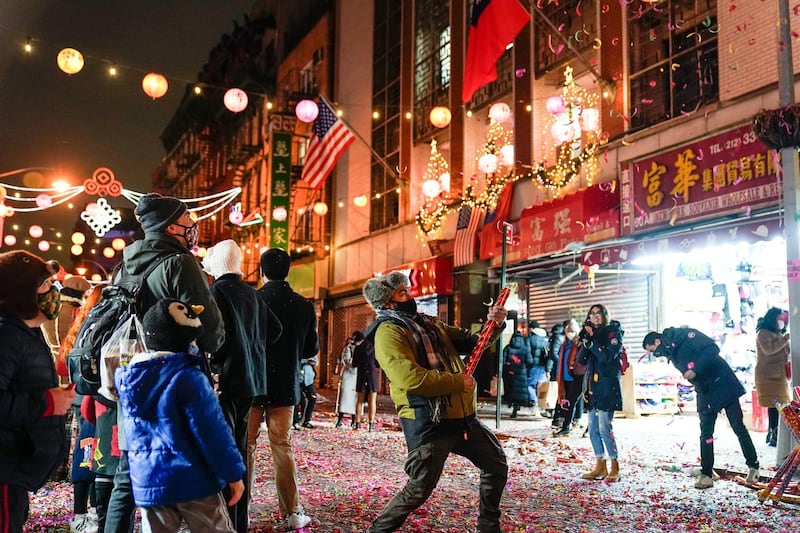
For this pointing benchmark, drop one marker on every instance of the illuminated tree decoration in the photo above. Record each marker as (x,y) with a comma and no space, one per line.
(575,128)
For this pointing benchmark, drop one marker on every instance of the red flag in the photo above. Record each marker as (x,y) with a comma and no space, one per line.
(466,228)
(492,230)
(329,140)
(495,23)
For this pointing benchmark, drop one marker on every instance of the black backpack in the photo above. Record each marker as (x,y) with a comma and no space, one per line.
(117,303)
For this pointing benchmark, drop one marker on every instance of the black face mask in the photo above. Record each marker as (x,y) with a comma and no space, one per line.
(409,306)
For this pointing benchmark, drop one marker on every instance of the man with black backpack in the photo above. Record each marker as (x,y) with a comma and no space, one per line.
(170,233)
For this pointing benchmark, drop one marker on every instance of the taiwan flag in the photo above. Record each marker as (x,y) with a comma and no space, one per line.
(494,24)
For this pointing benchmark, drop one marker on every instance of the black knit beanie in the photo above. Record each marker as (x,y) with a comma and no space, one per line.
(156,212)
(22,273)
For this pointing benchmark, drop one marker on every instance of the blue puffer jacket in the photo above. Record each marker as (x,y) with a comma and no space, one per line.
(179,446)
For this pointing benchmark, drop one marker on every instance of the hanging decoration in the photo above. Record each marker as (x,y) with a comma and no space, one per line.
(235,100)
(70,61)
(103,183)
(154,85)
(574,126)
(306,110)
(440,116)
(101,217)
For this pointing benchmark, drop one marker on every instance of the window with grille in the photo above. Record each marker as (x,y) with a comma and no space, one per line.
(431,62)
(384,205)
(576,20)
(674,67)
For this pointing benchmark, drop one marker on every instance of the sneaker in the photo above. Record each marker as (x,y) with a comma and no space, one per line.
(752,476)
(562,433)
(298,520)
(82,523)
(308,425)
(557,423)
(704,482)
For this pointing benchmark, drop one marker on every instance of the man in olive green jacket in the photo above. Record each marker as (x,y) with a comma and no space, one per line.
(434,399)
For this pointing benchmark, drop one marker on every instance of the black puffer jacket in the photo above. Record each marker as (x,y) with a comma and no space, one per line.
(715,382)
(603,379)
(179,277)
(517,360)
(250,328)
(31,445)
(298,341)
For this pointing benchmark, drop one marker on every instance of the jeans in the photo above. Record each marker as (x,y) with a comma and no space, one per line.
(424,466)
(279,430)
(535,375)
(121,508)
(707,421)
(601,434)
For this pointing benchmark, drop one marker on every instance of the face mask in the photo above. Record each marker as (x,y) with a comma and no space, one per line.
(49,303)
(191,234)
(409,306)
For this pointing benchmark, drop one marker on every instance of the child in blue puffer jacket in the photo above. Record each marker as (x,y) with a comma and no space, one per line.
(180,449)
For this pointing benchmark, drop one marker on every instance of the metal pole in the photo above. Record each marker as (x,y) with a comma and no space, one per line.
(506,226)
(791,224)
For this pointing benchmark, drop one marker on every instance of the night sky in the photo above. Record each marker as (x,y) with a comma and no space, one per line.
(88,120)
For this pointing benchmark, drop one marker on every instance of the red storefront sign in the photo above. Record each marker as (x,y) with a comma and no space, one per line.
(427,277)
(725,173)
(589,215)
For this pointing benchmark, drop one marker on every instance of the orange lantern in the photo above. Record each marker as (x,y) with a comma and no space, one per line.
(440,116)
(70,60)
(154,85)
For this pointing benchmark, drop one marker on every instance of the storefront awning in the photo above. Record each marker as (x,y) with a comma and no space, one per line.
(685,241)
(586,216)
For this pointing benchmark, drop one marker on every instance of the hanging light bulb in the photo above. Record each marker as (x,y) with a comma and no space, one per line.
(321,208)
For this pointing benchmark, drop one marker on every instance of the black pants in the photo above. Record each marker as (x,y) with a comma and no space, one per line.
(424,466)
(707,421)
(308,399)
(572,403)
(13,507)
(121,507)
(237,414)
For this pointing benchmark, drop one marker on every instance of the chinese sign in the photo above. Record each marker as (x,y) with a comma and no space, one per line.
(279,191)
(589,215)
(721,174)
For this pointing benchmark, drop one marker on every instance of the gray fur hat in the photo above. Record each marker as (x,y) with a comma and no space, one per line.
(378,290)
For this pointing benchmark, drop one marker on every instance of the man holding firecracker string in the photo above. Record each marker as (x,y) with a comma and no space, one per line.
(435,400)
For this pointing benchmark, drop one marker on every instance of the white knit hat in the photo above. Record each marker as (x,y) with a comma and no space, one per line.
(225,257)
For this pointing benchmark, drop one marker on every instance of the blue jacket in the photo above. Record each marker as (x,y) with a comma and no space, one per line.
(603,382)
(179,446)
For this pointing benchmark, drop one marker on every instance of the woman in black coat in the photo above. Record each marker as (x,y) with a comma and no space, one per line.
(517,360)
(602,342)
(366,379)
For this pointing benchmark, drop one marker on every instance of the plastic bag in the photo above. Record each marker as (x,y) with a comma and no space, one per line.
(126,341)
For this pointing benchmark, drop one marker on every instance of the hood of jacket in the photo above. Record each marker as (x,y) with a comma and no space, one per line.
(139,255)
(147,377)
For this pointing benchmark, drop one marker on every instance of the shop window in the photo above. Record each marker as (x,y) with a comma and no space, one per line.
(576,20)
(674,65)
(431,61)
(385,136)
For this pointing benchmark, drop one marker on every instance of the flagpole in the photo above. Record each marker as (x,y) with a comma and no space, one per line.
(360,138)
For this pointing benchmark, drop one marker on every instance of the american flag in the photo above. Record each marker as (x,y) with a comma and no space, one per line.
(467,226)
(329,140)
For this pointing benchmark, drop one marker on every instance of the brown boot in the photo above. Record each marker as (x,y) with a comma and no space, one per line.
(599,471)
(613,475)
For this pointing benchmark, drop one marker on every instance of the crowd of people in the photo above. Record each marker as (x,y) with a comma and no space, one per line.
(179,439)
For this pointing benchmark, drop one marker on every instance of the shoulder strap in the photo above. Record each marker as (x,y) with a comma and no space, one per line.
(140,283)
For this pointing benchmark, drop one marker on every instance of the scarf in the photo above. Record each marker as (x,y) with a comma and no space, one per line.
(429,344)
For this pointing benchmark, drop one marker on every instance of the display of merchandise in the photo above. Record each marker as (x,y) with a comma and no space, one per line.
(655,388)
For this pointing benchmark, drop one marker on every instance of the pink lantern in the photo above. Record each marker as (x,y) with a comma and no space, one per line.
(235,100)
(499,112)
(306,110)
(555,105)
(279,214)
(590,119)
(43,246)
(35,231)
(44,201)
(10,240)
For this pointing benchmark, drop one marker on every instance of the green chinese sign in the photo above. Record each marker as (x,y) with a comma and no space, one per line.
(279,194)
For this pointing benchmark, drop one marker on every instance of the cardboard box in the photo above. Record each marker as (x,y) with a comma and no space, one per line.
(547,392)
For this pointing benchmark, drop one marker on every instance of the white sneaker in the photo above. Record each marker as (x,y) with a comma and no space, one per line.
(704,482)
(298,520)
(82,523)
(752,476)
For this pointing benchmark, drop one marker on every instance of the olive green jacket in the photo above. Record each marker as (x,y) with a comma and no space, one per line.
(412,383)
